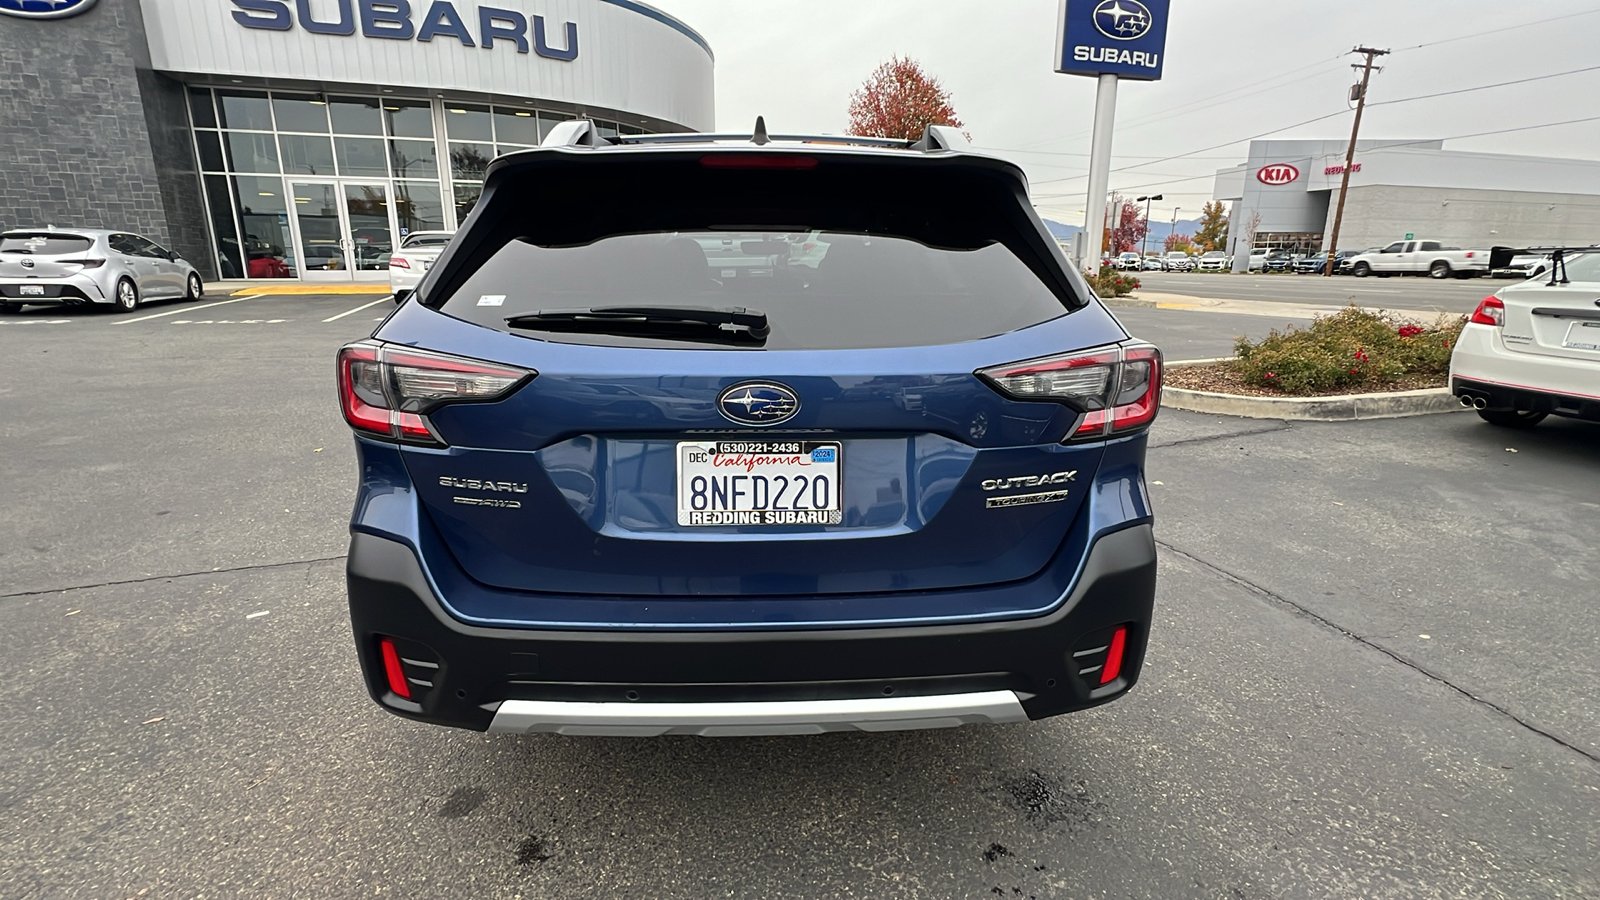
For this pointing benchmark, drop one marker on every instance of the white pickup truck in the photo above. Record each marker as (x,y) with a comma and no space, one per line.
(1429,258)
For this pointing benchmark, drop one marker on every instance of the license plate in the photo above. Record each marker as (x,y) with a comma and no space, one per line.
(759,483)
(33,290)
(1583,336)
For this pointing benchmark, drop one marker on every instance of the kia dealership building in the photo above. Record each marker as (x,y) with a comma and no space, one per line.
(1285,195)
(301,139)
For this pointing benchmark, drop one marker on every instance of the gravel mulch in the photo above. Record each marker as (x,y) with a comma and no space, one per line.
(1222,378)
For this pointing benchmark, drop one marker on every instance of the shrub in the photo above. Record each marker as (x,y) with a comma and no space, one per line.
(1113,282)
(1349,350)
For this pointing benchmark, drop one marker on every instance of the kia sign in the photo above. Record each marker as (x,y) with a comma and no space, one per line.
(1126,38)
(1277,173)
(44,9)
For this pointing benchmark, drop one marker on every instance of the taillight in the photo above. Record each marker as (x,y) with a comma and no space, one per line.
(1117,388)
(393,672)
(1490,312)
(1113,666)
(387,391)
(86,263)
(399,262)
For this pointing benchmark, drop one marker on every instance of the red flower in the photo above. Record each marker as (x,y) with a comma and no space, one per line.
(1407,331)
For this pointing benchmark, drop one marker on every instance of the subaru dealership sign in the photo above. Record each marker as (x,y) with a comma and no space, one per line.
(44,9)
(1126,38)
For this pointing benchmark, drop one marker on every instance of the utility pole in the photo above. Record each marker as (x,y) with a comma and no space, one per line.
(1144,243)
(1350,154)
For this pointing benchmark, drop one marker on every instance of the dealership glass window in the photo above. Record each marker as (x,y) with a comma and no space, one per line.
(251,152)
(300,113)
(230,261)
(361,157)
(355,115)
(418,206)
(466,198)
(516,126)
(414,159)
(606,129)
(305,154)
(468,123)
(264,226)
(245,109)
(468,161)
(409,118)
(209,145)
(200,108)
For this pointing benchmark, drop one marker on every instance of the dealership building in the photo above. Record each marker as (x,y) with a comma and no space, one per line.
(1286,193)
(301,139)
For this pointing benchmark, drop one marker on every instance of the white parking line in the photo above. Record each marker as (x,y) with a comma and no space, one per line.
(40,322)
(357,309)
(187,308)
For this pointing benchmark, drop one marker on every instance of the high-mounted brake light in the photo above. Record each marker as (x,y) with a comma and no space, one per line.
(757,161)
(387,392)
(1490,312)
(1117,388)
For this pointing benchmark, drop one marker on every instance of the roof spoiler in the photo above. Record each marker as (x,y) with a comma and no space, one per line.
(577,133)
(1500,257)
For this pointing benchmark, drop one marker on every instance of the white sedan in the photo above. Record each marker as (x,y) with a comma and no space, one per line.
(1533,349)
(417,252)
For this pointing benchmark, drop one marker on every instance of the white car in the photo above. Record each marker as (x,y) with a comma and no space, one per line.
(1129,260)
(1533,349)
(1213,261)
(1258,261)
(416,255)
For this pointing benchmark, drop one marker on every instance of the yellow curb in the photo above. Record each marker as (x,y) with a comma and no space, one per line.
(296,289)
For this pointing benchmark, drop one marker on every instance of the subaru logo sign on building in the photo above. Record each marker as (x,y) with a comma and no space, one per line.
(1277,173)
(44,9)
(1126,38)
(758,404)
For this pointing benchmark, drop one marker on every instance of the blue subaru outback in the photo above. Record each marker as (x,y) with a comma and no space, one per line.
(757,434)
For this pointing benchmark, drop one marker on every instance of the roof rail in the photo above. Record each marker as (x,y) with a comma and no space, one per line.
(583,133)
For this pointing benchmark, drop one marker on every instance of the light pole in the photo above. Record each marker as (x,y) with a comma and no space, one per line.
(1144,244)
(1173,228)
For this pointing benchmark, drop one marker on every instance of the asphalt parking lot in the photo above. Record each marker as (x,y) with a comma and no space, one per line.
(1373,671)
(1419,294)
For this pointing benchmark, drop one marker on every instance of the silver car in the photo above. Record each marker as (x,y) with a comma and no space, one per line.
(77,266)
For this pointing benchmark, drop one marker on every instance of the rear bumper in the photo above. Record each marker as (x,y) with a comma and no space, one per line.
(70,290)
(748,682)
(1482,368)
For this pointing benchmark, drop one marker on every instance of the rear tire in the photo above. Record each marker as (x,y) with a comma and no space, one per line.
(1360,270)
(127,296)
(194,289)
(1512,418)
(1439,269)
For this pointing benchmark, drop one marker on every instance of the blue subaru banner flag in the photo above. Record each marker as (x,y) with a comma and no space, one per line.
(1126,38)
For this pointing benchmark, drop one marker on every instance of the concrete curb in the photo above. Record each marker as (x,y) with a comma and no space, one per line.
(1137,302)
(1337,408)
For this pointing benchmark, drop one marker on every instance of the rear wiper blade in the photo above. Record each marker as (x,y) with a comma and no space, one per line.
(735,324)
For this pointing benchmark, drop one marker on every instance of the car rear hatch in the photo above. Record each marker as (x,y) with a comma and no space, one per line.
(1560,319)
(44,254)
(872,433)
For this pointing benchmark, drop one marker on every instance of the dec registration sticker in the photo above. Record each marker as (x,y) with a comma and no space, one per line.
(759,483)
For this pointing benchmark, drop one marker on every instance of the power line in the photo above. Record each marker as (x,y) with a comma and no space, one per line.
(1497,31)
(1485,87)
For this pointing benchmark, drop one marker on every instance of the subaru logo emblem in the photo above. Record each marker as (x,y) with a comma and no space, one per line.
(44,9)
(1123,20)
(758,403)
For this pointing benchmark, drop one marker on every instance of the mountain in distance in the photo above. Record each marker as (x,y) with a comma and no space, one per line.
(1158,230)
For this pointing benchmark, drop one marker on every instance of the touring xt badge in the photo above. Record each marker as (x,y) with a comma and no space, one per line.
(1007,500)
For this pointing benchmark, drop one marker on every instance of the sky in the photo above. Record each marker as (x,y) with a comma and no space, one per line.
(1233,70)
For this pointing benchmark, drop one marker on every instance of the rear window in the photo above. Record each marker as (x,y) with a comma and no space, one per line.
(43,244)
(425,240)
(820,290)
(1583,268)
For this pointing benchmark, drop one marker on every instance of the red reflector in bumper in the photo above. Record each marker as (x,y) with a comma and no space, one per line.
(1113,666)
(397,675)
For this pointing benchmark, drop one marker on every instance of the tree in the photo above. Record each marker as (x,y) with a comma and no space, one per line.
(899,100)
(1213,231)
(1130,226)
(1180,242)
